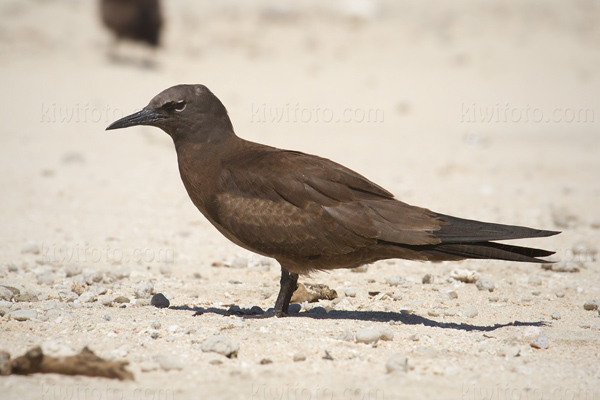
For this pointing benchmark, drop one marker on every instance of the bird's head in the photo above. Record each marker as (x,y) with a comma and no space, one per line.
(183,111)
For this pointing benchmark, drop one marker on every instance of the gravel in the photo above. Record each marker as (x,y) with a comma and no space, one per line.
(590,305)
(541,342)
(45,278)
(168,363)
(121,300)
(368,335)
(485,284)
(160,301)
(427,279)
(470,312)
(87,297)
(6,294)
(143,290)
(464,275)
(564,266)
(299,357)
(395,280)
(397,363)
(23,315)
(221,345)
(105,301)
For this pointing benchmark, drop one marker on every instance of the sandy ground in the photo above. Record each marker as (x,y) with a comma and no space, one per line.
(487,111)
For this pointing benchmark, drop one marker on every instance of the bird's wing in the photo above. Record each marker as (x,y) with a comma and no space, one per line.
(282,202)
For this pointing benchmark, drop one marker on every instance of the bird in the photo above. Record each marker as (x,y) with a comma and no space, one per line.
(307,212)
(138,20)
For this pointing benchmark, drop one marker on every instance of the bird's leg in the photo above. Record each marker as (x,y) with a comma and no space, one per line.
(288,284)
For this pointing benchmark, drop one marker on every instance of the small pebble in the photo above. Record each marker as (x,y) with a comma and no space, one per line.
(485,284)
(91,276)
(541,342)
(106,317)
(584,325)
(30,248)
(266,361)
(121,300)
(149,366)
(395,280)
(220,344)
(414,337)
(464,275)
(72,270)
(346,336)
(87,297)
(143,290)
(397,296)
(155,324)
(397,362)
(493,299)
(434,312)
(387,335)
(368,335)
(453,294)
(159,301)
(154,335)
(590,305)
(427,279)
(560,295)
(13,268)
(555,315)
(45,278)
(350,292)
(299,357)
(105,301)
(216,361)
(536,293)
(470,312)
(169,363)
(23,315)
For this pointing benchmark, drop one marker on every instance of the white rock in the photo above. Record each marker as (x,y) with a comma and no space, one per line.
(368,335)
(88,297)
(397,362)
(169,363)
(464,275)
(23,315)
(220,344)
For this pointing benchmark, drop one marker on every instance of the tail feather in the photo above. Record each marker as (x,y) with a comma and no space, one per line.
(468,231)
(488,250)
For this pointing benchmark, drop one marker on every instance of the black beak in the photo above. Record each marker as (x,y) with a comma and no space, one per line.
(144,117)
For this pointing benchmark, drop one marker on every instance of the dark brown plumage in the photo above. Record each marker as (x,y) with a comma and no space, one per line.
(307,212)
(139,20)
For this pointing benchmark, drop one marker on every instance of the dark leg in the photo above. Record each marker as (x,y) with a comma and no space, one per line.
(288,283)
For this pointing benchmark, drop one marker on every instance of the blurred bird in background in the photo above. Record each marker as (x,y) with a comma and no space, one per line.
(136,20)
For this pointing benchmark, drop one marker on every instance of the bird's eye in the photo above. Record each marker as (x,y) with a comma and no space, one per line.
(179,106)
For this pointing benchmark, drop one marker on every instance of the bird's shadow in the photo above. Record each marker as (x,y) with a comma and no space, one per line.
(376,316)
